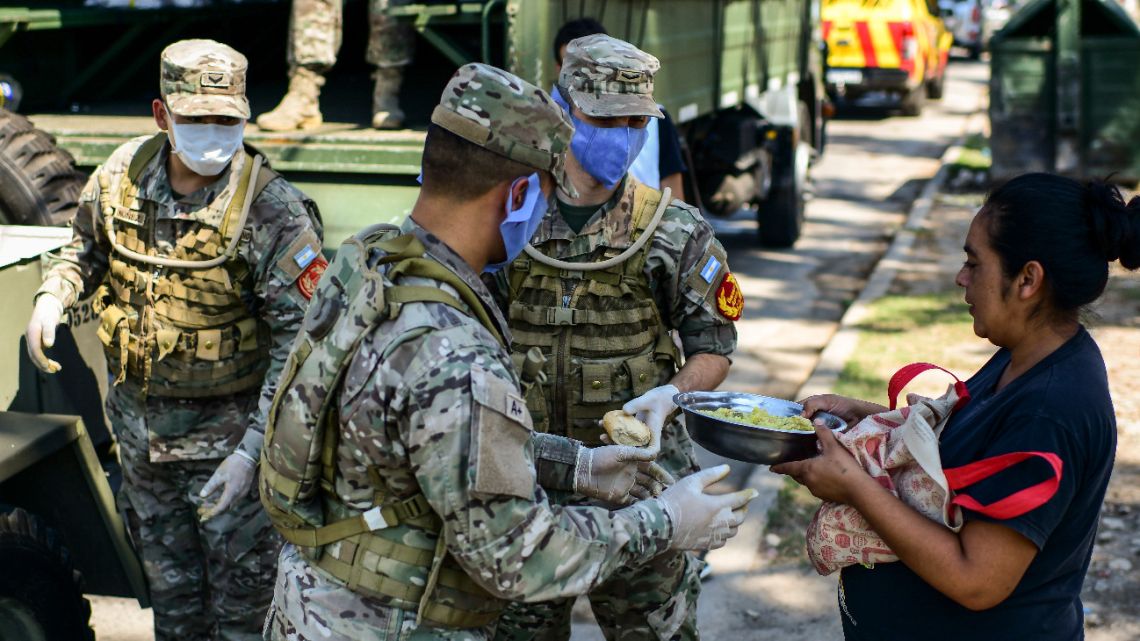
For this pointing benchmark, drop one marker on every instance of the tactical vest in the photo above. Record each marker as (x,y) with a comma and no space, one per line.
(176,322)
(600,330)
(369,551)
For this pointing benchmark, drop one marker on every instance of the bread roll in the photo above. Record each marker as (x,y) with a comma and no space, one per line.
(624,429)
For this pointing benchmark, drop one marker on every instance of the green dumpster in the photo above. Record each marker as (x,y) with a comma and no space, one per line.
(1064,92)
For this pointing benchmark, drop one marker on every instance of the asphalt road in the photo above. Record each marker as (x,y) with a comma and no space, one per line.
(873,167)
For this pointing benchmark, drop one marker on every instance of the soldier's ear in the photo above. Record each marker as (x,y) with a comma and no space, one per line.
(519,187)
(158,109)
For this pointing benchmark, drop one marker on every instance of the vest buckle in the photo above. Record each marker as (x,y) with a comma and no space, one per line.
(560,316)
(413,508)
(374,519)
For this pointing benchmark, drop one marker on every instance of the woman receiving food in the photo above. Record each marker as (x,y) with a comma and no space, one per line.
(1036,254)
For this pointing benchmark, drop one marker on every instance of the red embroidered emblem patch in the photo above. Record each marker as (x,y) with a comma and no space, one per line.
(307,281)
(729,298)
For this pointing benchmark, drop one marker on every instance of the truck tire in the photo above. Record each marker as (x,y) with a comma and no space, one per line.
(39,184)
(913,102)
(781,217)
(40,594)
(936,87)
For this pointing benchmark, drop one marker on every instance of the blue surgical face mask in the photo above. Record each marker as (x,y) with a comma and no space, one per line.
(606,153)
(521,223)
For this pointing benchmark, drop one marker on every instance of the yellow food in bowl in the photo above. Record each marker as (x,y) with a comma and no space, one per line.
(762,418)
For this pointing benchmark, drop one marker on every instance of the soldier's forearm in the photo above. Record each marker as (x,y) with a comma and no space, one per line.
(568,551)
(555,459)
(701,372)
(59,287)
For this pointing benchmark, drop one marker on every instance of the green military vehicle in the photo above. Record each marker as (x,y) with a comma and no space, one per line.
(741,78)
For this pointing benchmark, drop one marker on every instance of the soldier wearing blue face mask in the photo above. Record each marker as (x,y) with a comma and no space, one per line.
(607,278)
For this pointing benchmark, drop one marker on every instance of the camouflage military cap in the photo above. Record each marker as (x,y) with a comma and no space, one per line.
(507,115)
(606,78)
(204,78)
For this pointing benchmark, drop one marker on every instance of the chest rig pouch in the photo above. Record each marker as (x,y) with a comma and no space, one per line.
(597,324)
(298,464)
(175,321)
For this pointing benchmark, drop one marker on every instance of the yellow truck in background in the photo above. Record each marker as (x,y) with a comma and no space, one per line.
(899,47)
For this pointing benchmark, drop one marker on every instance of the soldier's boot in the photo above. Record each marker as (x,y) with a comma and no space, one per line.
(299,109)
(386,112)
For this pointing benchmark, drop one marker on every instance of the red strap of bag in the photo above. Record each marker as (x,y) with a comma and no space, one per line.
(957,478)
(1015,504)
(909,372)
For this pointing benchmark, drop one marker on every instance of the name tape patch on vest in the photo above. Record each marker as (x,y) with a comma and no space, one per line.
(708,272)
(307,281)
(729,298)
(130,216)
(304,257)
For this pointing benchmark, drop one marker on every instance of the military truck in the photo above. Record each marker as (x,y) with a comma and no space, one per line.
(742,79)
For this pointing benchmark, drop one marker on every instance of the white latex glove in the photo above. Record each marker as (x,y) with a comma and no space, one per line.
(233,477)
(653,408)
(703,521)
(41,332)
(618,474)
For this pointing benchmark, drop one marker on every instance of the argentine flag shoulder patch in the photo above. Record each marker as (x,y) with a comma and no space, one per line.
(709,271)
(305,256)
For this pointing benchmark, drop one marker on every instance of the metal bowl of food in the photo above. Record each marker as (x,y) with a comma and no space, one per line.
(749,427)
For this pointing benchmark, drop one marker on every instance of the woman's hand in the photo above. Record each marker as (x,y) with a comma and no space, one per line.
(834,475)
(851,410)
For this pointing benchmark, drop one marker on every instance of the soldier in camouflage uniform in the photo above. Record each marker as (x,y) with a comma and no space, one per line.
(609,276)
(314,40)
(399,461)
(204,260)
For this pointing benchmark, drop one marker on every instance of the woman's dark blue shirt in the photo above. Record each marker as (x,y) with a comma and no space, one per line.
(1061,405)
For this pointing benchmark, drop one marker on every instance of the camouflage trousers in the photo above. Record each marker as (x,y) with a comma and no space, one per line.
(309,605)
(654,601)
(315,35)
(211,580)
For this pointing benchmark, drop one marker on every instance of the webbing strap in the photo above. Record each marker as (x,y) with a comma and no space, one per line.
(133,294)
(398,295)
(383,548)
(216,370)
(243,384)
(183,317)
(543,315)
(425,268)
(385,587)
(130,273)
(143,155)
(407,510)
(534,268)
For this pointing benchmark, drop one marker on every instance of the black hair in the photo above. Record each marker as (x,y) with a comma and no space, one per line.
(1073,229)
(459,169)
(573,30)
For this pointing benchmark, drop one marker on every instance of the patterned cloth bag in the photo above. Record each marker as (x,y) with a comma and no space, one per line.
(899,448)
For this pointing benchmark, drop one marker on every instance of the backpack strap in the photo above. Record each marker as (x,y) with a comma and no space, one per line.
(407,254)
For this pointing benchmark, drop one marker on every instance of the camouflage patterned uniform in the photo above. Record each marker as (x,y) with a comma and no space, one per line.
(211,579)
(683,272)
(430,406)
(314,40)
(315,34)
